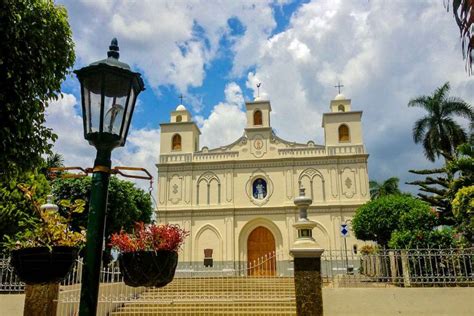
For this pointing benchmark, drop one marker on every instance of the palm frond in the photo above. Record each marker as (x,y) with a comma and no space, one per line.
(419,129)
(457,106)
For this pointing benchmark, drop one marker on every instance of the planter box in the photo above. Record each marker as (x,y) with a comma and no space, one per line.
(148,268)
(40,265)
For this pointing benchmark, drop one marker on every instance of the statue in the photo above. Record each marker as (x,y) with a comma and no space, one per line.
(259,189)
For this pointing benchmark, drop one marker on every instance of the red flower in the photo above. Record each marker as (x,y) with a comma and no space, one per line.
(149,238)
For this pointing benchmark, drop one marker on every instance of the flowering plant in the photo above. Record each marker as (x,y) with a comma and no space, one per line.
(48,228)
(149,238)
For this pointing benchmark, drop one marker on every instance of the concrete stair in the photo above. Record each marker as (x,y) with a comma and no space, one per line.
(216,296)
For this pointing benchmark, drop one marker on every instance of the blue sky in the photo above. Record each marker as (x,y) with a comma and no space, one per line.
(214,52)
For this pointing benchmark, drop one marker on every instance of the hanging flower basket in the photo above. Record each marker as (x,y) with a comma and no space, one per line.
(40,265)
(149,255)
(148,268)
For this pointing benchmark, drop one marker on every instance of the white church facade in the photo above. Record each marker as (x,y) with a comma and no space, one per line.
(237,200)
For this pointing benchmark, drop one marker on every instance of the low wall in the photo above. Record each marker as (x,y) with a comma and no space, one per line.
(12,304)
(398,301)
(348,301)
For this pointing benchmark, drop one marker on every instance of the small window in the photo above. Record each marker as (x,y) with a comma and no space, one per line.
(176,142)
(179,118)
(257,117)
(341,108)
(343,133)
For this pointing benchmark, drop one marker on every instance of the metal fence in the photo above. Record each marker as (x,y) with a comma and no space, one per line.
(399,267)
(264,285)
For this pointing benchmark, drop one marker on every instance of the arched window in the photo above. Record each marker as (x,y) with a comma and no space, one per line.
(176,142)
(179,118)
(257,117)
(343,133)
(341,108)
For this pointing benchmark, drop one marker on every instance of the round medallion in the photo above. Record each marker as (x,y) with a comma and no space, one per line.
(258,144)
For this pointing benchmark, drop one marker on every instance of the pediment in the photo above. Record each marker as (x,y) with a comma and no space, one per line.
(258,144)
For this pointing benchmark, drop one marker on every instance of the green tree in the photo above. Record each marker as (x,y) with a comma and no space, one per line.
(462,167)
(437,131)
(388,187)
(126,203)
(14,207)
(54,160)
(377,219)
(440,185)
(36,51)
(463,209)
(416,229)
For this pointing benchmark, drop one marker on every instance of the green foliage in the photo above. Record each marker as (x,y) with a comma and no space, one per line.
(377,219)
(49,229)
(36,51)
(436,184)
(463,166)
(437,131)
(442,184)
(126,203)
(418,238)
(463,209)
(416,230)
(15,208)
(388,187)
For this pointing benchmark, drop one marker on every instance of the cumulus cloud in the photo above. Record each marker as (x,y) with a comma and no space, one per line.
(227,120)
(384,52)
(172,42)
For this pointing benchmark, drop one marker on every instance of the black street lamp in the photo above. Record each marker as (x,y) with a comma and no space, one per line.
(109,90)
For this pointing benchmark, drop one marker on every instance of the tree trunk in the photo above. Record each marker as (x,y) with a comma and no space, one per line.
(41,299)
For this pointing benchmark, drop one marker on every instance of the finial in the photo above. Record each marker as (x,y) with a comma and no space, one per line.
(302,191)
(49,199)
(258,89)
(339,86)
(181,97)
(113,49)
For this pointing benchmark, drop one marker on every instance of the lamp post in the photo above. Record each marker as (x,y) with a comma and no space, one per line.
(109,90)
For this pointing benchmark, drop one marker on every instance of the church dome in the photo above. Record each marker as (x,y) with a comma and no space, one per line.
(340,96)
(180,108)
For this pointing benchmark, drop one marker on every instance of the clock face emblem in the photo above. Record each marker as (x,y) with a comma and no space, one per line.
(258,144)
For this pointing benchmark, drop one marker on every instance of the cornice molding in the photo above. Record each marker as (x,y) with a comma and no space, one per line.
(280,162)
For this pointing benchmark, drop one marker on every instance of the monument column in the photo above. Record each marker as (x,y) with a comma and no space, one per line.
(307,263)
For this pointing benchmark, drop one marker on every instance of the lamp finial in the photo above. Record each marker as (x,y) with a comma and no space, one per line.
(113,49)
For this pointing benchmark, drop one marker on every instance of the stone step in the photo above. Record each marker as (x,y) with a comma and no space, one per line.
(216,296)
(206,313)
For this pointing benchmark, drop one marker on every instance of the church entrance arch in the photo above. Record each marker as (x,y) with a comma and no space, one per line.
(261,243)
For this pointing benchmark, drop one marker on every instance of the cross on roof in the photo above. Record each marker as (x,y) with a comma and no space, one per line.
(339,86)
(258,89)
(181,96)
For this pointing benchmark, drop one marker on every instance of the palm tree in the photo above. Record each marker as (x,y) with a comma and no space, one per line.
(438,131)
(54,160)
(388,187)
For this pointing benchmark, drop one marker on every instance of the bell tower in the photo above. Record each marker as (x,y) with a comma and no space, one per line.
(181,134)
(342,126)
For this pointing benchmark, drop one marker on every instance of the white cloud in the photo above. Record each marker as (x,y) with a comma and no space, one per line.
(384,52)
(172,42)
(226,122)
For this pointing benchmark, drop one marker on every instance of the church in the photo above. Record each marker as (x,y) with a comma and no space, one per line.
(237,200)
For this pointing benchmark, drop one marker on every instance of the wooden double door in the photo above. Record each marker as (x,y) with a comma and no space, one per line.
(261,252)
